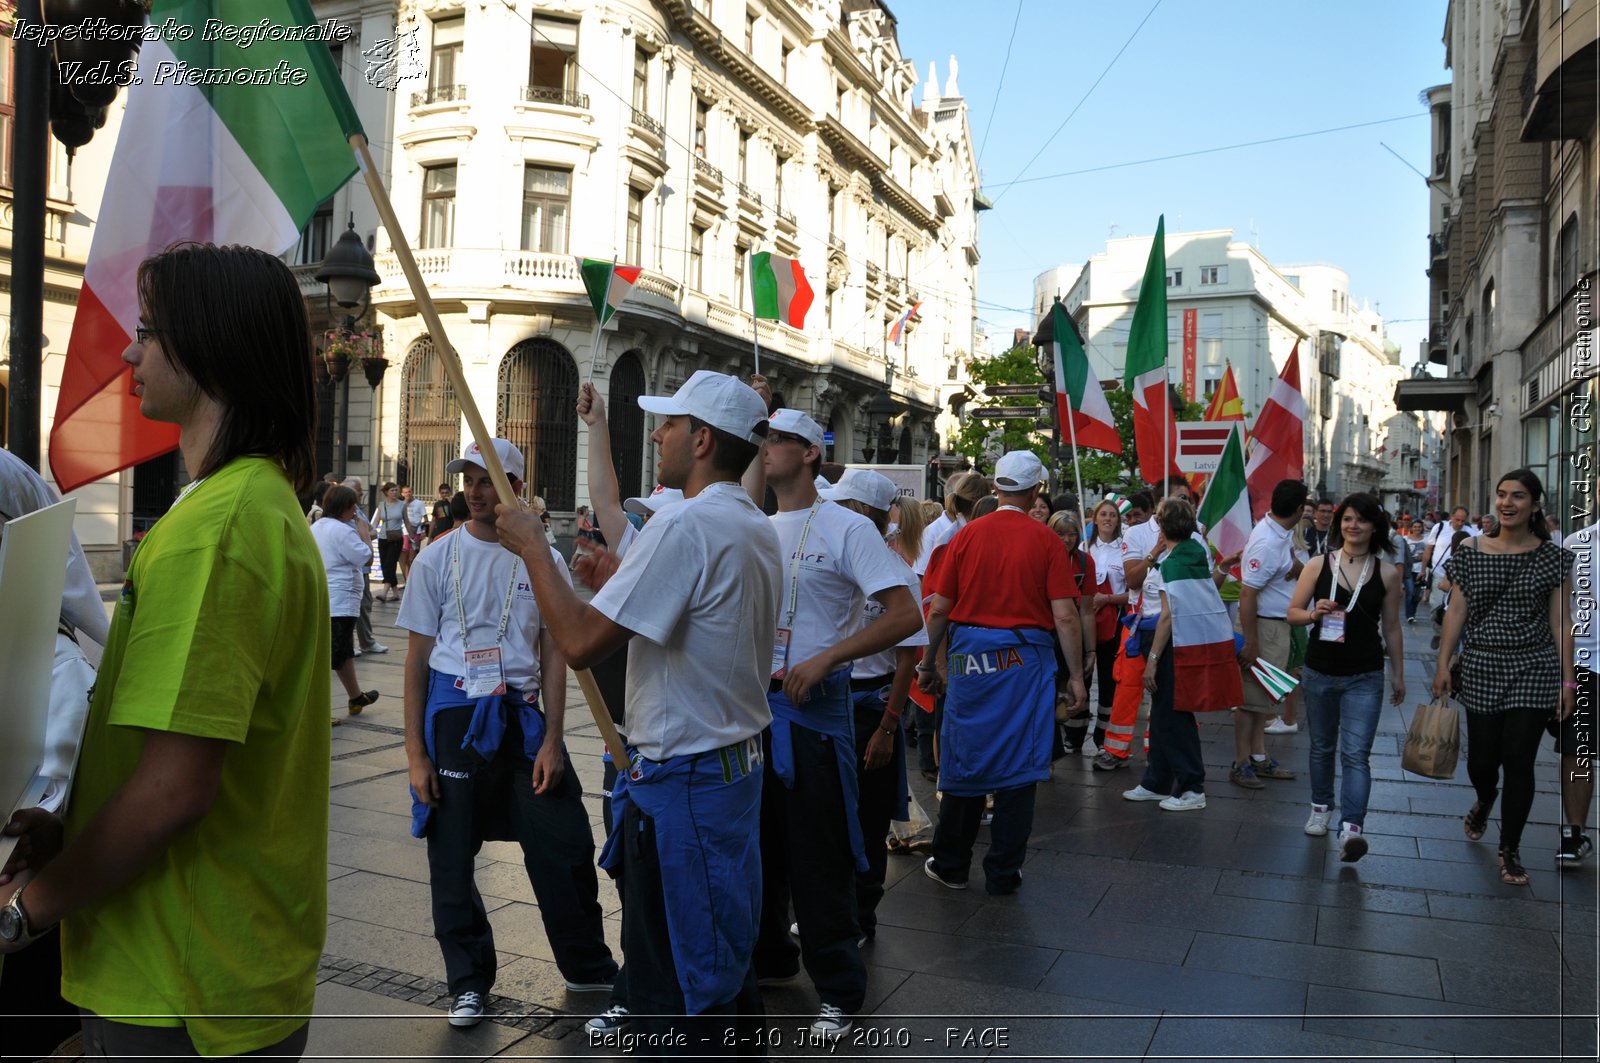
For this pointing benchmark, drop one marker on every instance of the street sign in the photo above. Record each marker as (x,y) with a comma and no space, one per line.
(1012,391)
(827,439)
(1199,445)
(1008,413)
(1419,485)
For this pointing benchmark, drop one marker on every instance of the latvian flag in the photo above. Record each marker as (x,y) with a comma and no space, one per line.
(1205,669)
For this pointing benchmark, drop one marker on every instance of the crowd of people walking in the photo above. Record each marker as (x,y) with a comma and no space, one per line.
(774,635)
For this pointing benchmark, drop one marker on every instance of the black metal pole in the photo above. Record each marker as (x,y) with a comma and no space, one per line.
(30,154)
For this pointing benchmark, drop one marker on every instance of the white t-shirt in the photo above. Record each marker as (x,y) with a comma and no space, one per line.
(883,663)
(1108,562)
(416,512)
(487,569)
(1137,542)
(1440,538)
(1585,546)
(1268,559)
(345,558)
(700,588)
(842,562)
(937,532)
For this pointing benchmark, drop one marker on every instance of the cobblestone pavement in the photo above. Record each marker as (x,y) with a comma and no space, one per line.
(1138,933)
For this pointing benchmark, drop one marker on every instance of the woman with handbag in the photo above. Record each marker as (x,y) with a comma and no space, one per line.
(1510,609)
(392,529)
(1350,598)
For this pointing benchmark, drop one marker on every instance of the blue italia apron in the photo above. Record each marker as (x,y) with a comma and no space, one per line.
(999,713)
(707,813)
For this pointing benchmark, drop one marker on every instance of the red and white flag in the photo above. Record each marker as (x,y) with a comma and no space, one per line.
(1279,452)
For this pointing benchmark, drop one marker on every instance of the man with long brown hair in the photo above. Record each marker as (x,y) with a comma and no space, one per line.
(191,886)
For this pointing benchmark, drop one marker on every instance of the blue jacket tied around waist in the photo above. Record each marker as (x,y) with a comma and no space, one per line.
(999,713)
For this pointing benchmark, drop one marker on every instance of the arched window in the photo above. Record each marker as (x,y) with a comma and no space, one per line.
(538,395)
(627,423)
(430,421)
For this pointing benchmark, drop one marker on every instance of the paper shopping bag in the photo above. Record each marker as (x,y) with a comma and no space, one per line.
(1433,745)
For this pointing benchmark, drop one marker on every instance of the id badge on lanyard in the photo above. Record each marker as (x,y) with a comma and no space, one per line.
(781,640)
(1332,629)
(485,676)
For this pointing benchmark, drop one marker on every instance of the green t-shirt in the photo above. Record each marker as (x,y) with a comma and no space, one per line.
(222,632)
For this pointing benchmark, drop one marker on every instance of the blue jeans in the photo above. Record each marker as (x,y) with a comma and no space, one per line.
(1342,711)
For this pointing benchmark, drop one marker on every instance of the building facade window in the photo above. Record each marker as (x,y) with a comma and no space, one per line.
(1567,256)
(627,423)
(316,237)
(697,256)
(740,251)
(438,205)
(444,66)
(744,156)
(749,32)
(546,204)
(536,411)
(778,163)
(1487,314)
(785,53)
(641,80)
(8,109)
(553,55)
(430,421)
(1213,274)
(634,235)
(702,116)
(1174,278)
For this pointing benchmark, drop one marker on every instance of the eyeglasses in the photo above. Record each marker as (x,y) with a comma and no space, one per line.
(785,437)
(143,334)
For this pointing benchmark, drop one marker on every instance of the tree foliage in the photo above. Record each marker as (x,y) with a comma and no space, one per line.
(1101,471)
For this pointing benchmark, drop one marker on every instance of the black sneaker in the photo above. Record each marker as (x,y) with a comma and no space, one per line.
(1575,845)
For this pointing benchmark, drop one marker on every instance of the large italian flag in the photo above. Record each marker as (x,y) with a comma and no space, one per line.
(1155,431)
(221,163)
(1205,668)
(1225,512)
(1080,404)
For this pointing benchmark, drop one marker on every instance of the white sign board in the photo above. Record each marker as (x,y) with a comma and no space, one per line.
(1199,445)
(33,572)
(909,480)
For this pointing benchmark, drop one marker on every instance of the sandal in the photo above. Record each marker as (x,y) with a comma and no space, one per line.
(357,704)
(1512,873)
(1476,821)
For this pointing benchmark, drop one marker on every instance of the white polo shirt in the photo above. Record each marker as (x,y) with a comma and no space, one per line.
(1137,542)
(699,587)
(883,663)
(1108,561)
(1268,559)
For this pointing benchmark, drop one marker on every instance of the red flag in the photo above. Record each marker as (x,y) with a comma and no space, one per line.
(1280,450)
(1225,406)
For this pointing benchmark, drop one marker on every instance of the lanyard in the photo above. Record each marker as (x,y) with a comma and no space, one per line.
(461,609)
(186,492)
(794,564)
(1014,509)
(1361,581)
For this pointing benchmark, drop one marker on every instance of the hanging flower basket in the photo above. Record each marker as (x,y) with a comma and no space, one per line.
(374,368)
(340,348)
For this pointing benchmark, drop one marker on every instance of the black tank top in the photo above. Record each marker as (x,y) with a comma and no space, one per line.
(1362,648)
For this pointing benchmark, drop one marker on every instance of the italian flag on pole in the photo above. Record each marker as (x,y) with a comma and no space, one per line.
(1225,512)
(779,289)
(607,284)
(1079,401)
(1205,669)
(1154,428)
(242,162)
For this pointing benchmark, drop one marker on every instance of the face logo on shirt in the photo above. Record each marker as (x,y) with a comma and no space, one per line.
(809,559)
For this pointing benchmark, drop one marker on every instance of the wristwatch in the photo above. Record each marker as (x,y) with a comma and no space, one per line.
(14,926)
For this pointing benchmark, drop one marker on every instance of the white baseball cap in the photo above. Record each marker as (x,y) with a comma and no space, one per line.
(864,485)
(795,423)
(510,458)
(721,401)
(1018,471)
(648,504)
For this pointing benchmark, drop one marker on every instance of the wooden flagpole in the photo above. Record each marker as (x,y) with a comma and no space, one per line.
(469,408)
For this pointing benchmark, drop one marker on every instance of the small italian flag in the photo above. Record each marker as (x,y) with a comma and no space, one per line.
(778,289)
(220,163)
(1081,406)
(1205,667)
(1274,680)
(1225,512)
(607,284)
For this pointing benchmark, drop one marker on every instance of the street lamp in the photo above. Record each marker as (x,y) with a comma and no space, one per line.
(350,277)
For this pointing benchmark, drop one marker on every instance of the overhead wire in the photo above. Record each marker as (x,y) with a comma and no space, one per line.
(989,123)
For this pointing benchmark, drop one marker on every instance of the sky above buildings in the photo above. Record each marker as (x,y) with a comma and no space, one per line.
(1197,76)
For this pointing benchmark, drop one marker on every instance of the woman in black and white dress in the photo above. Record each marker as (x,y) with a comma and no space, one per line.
(1510,610)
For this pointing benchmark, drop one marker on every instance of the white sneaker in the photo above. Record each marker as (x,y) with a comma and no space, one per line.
(1352,846)
(1188,801)
(588,987)
(376,647)
(1276,726)
(467,1009)
(1139,793)
(832,1023)
(794,930)
(1317,825)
